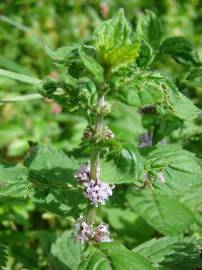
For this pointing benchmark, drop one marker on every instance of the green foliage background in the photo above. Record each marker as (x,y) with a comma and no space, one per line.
(26,27)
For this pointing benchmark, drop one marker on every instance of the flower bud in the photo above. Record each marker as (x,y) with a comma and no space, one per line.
(160,178)
(83,174)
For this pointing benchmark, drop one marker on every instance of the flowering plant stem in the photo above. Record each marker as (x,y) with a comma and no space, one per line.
(95,158)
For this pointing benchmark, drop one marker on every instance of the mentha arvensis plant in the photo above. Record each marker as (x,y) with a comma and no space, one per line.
(155,180)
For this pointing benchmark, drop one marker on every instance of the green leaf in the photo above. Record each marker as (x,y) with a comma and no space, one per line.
(145,55)
(121,56)
(14,181)
(95,69)
(50,167)
(64,54)
(172,252)
(112,256)
(125,167)
(113,33)
(180,49)
(181,169)
(157,249)
(144,88)
(194,77)
(160,211)
(19,77)
(65,253)
(183,107)
(149,28)
(62,202)
(141,89)
(129,227)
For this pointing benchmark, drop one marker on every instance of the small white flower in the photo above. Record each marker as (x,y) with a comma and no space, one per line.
(161,178)
(82,231)
(102,233)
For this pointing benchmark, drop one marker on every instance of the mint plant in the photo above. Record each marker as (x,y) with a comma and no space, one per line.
(155,179)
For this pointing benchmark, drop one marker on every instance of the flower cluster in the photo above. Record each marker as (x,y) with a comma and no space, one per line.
(95,190)
(84,232)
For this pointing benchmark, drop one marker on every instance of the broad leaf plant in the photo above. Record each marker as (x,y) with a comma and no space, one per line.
(157,179)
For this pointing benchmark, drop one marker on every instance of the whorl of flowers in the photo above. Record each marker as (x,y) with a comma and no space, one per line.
(84,232)
(95,190)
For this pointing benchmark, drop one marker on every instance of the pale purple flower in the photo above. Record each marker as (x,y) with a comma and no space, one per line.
(145,140)
(97,192)
(83,174)
(82,231)
(102,233)
(161,178)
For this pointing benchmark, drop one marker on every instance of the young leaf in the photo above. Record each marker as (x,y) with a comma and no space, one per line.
(65,253)
(95,69)
(112,33)
(50,167)
(64,54)
(149,28)
(121,56)
(113,256)
(180,49)
(160,211)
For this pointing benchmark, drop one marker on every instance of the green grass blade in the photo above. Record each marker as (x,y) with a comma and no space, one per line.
(18,76)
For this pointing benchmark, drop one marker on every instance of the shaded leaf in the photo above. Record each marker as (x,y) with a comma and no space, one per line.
(180,49)
(63,202)
(125,167)
(92,66)
(65,253)
(50,167)
(3,256)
